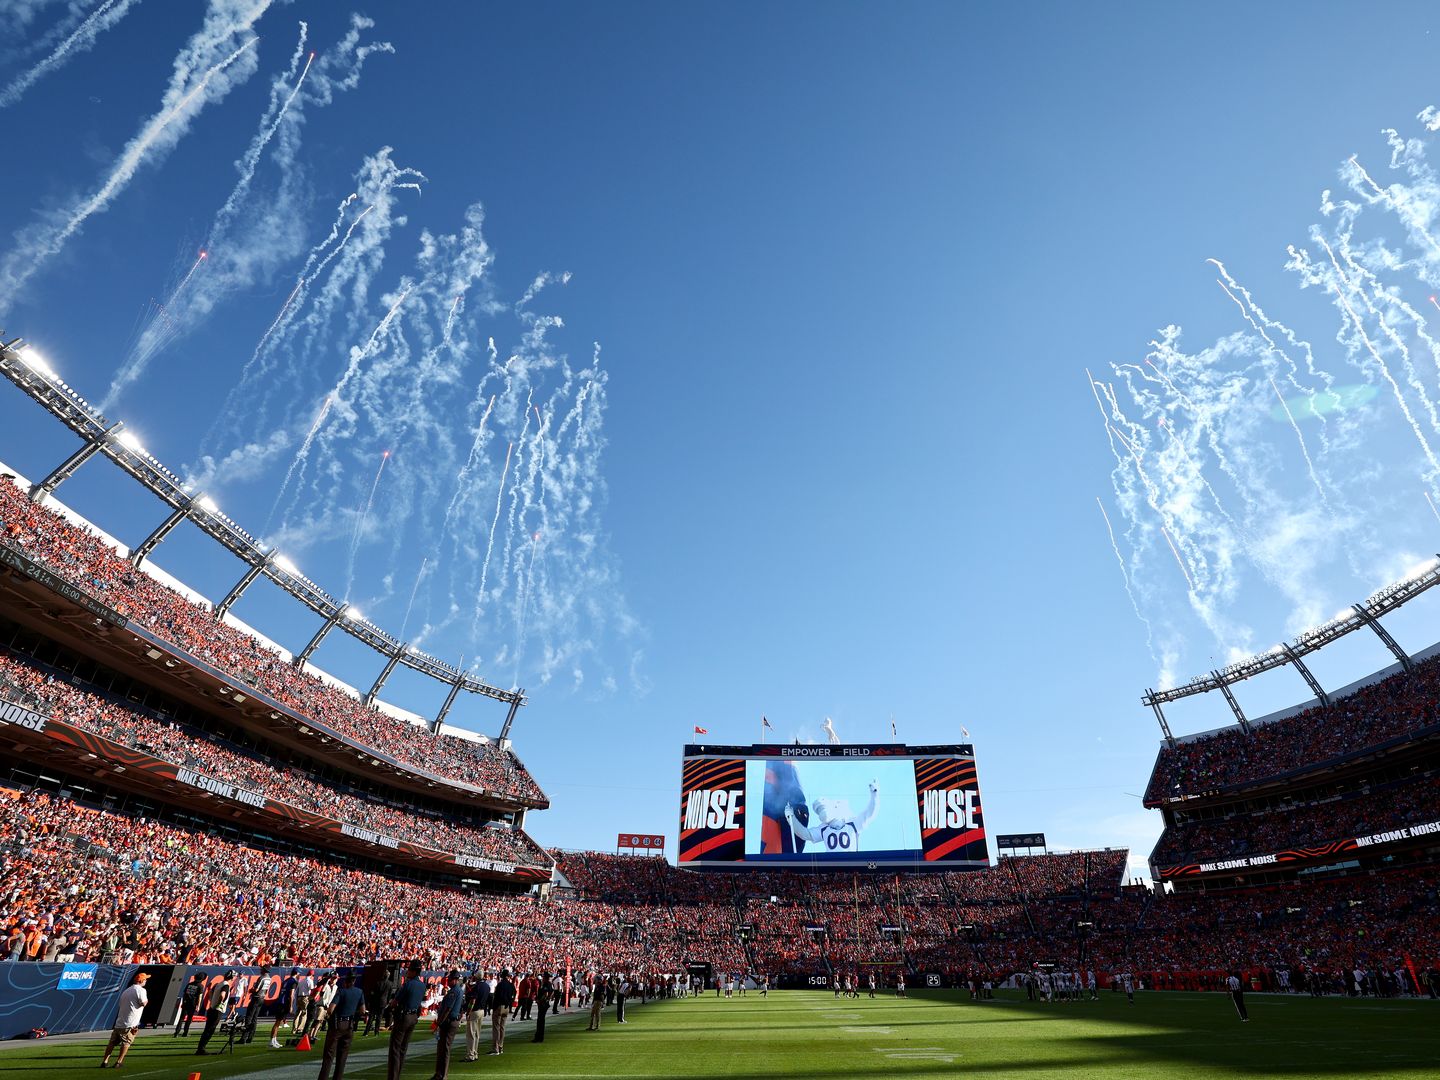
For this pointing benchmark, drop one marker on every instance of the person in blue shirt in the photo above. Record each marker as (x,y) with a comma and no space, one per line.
(477,1004)
(447,1021)
(408,1000)
(500,1004)
(346,1011)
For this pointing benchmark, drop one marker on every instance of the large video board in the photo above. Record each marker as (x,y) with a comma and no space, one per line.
(812,806)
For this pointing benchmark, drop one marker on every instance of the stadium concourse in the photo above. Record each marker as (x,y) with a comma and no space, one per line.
(177,793)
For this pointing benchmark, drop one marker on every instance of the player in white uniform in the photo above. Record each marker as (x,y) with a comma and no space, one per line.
(838,831)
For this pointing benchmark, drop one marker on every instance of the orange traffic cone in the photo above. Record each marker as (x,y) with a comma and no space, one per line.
(304,1043)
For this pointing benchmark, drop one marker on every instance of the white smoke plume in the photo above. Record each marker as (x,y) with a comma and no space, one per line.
(218,57)
(82,39)
(1269,468)
(250,238)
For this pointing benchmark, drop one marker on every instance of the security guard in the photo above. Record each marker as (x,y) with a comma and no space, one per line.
(543,994)
(408,1001)
(447,1021)
(346,1011)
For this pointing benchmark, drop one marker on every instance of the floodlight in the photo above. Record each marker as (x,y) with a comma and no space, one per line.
(1420,570)
(207,504)
(32,358)
(285,564)
(130,441)
(354,615)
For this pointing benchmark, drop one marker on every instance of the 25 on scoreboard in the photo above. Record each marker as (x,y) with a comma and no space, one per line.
(798,806)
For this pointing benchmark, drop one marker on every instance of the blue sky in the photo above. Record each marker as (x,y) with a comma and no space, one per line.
(847,266)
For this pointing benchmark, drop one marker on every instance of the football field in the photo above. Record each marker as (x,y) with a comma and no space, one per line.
(813,1035)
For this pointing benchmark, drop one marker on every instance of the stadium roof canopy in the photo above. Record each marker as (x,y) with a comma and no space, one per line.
(24,367)
(1367,613)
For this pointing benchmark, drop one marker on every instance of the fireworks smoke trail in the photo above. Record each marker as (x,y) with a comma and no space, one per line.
(409,607)
(517,492)
(160,329)
(1125,576)
(1411,375)
(82,40)
(250,364)
(254,236)
(521,634)
(1263,324)
(523,598)
(1199,472)
(253,368)
(300,457)
(224,21)
(186,279)
(1397,203)
(1309,465)
(1431,503)
(450,320)
(361,518)
(251,159)
(1435,302)
(1389,378)
(1178,561)
(490,547)
(337,397)
(463,476)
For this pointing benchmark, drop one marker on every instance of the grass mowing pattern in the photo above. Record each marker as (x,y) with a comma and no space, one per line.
(813,1036)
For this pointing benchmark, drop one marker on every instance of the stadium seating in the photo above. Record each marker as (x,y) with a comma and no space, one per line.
(1397,708)
(172,742)
(1305,825)
(118,887)
(87,562)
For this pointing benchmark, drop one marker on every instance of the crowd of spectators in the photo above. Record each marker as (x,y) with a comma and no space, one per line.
(1285,827)
(1365,921)
(219,761)
(86,561)
(100,886)
(1399,705)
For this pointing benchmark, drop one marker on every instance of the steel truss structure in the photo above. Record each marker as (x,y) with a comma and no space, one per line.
(1363,615)
(100,436)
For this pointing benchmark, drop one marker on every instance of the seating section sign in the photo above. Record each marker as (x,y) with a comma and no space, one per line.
(1302,854)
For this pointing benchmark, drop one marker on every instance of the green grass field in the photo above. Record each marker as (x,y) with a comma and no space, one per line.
(936,1034)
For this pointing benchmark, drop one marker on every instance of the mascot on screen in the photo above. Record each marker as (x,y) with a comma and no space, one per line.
(838,830)
(782,789)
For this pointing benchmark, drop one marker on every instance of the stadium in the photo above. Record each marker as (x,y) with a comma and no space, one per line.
(307,870)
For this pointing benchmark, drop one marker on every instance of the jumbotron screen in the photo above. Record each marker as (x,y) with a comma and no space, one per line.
(773,806)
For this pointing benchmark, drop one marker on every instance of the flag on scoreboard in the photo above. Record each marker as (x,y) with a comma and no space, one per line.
(701,731)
